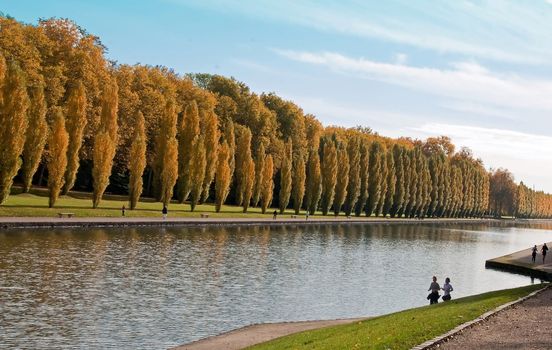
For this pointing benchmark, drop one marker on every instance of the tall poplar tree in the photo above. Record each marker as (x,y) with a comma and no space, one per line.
(285,177)
(364,174)
(169,155)
(248,184)
(198,172)
(137,160)
(13,125)
(223,176)
(267,189)
(187,142)
(105,142)
(329,175)
(375,178)
(35,140)
(259,166)
(399,192)
(58,141)
(299,176)
(314,182)
(75,124)
(211,138)
(342,179)
(391,183)
(353,187)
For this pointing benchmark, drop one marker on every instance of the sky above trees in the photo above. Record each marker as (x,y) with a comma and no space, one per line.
(477,72)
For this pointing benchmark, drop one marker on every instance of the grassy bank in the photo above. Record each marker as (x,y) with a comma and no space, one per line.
(80,203)
(401,330)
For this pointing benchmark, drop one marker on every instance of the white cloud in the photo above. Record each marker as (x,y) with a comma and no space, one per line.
(466,81)
(516,151)
(506,31)
(402,58)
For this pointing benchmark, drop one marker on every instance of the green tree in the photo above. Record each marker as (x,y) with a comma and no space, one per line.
(353,187)
(391,183)
(364,174)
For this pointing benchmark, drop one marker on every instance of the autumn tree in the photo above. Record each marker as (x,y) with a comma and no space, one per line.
(249,169)
(299,177)
(137,160)
(342,179)
(105,142)
(13,121)
(377,157)
(211,138)
(223,177)
(259,166)
(187,142)
(35,140)
(243,163)
(364,175)
(58,141)
(329,175)
(197,172)
(391,183)
(268,184)
(285,177)
(314,182)
(168,154)
(353,187)
(75,124)
(399,191)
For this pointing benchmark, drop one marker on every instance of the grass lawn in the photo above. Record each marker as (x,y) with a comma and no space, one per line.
(401,330)
(80,203)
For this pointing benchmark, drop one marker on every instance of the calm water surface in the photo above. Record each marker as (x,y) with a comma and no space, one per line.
(154,288)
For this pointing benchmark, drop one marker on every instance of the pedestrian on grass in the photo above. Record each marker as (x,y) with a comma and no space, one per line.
(544,249)
(534,253)
(123,210)
(434,287)
(165,211)
(274,215)
(307,215)
(447,288)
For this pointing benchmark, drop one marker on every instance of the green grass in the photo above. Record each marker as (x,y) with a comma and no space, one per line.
(401,330)
(80,203)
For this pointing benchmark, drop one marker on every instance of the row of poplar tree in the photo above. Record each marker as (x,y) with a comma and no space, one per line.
(67,113)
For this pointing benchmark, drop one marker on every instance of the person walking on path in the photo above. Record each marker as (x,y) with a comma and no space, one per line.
(544,249)
(534,253)
(434,295)
(307,215)
(447,288)
(165,211)
(123,210)
(274,215)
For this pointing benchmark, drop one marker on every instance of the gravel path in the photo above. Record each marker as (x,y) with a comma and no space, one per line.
(527,325)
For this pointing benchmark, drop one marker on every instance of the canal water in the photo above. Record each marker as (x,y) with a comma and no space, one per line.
(154,288)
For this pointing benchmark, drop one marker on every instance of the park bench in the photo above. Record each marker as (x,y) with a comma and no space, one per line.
(204,215)
(69,215)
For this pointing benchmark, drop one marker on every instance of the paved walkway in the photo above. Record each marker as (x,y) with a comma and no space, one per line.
(527,325)
(251,335)
(21,222)
(521,262)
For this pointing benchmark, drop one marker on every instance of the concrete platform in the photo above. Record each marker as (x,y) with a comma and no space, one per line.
(520,262)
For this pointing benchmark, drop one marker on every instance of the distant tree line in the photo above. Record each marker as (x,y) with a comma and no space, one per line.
(71,119)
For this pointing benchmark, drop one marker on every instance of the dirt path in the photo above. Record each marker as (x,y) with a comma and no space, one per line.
(527,325)
(247,336)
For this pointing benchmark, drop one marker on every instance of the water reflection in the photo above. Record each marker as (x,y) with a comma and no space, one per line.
(155,288)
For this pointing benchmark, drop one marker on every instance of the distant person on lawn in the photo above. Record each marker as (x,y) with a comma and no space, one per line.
(447,288)
(165,211)
(544,249)
(534,253)
(434,287)
(274,215)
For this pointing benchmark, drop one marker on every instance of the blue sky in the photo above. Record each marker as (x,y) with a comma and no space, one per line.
(478,71)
